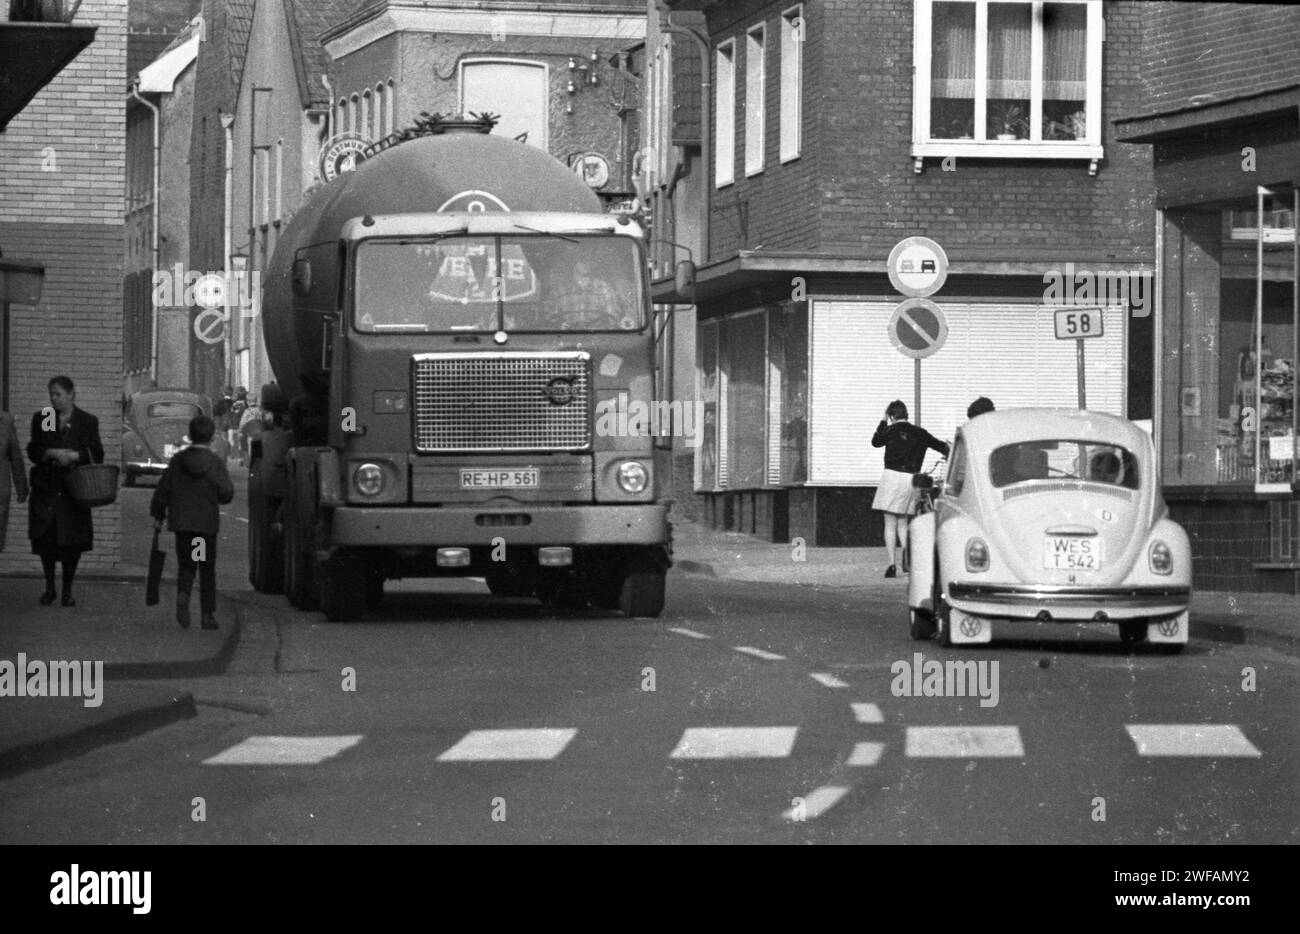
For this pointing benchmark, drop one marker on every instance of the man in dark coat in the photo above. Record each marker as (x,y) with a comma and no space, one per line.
(189,496)
(63,437)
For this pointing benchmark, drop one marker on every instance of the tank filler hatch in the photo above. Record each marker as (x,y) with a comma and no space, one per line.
(428,124)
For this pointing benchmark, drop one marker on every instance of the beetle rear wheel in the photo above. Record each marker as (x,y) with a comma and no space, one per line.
(922,625)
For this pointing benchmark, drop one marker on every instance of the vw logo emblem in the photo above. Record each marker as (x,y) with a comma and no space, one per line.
(1168,628)
(970,626)
(559,391)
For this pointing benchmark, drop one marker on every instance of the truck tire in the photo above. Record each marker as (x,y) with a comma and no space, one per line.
(562,591)
(265,551)
(374,590)
(642,594)
(507,580)
(297,565)
(344,581)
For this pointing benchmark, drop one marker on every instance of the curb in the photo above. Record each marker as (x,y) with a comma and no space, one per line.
(192,668)
(123,727)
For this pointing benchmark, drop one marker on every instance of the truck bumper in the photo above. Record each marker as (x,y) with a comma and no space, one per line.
(552,525)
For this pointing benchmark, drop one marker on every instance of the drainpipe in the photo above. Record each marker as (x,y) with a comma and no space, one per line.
(706,132)
(228,240)
(156,257)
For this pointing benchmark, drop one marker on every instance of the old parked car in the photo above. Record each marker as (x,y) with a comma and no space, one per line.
(156,427)
(1050,516)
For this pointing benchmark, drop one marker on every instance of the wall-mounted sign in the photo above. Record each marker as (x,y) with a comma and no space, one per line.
(342,153)
(593,167)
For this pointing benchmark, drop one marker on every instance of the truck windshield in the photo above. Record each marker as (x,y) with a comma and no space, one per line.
(486,283)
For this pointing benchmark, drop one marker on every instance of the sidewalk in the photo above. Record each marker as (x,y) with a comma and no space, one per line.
(109,625)
(1271,620)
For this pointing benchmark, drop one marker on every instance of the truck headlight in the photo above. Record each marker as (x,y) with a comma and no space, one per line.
(632,476)
(368,479)
(977,555)
(1160,558)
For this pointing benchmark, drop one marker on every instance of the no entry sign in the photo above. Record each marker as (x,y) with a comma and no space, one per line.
(918,328)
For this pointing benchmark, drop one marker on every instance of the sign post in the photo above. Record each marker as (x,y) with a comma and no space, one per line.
(1079,324)
(917,267)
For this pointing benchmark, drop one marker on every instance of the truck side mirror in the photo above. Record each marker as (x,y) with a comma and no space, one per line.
(302,277)
(685,278)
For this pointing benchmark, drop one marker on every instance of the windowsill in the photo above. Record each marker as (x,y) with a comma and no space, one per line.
(785,160)
(750,173)
(1007,149)
(726,184)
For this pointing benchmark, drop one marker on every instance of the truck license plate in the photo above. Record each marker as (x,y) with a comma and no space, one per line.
(500,479)
(1070,553)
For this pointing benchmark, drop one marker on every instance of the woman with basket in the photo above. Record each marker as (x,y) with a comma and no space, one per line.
(63,438)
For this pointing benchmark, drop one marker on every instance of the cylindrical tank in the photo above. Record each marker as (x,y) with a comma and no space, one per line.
(421,175)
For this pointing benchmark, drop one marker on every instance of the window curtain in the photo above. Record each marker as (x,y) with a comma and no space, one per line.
(1065,32)
(952,62)
(1010,26)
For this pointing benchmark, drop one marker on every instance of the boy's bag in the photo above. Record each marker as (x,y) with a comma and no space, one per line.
(157,558)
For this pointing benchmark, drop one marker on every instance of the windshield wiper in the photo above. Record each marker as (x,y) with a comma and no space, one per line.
(545,233)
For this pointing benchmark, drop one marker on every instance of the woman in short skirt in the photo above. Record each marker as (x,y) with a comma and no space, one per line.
(905,445)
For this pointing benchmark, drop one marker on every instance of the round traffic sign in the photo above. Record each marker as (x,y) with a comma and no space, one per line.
(918,267)
(918,328)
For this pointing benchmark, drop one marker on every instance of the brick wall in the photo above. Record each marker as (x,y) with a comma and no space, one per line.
(1196,53)
(61,204)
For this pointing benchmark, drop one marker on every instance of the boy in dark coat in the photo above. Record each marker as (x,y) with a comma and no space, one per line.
(189,494)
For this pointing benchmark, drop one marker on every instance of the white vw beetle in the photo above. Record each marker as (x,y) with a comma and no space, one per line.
(1050,516)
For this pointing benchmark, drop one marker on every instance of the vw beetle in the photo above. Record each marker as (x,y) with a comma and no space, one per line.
(156,427)
(1050,516)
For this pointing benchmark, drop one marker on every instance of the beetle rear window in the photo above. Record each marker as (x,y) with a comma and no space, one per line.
(174,410)
(1089,461)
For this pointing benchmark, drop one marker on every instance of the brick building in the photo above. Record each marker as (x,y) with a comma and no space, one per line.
(1219,112)
(61,206)
(839,128)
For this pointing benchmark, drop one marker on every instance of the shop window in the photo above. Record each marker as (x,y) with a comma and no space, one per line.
(708,387)
(744,342)
(788,394)
(516,90)
(1015,79)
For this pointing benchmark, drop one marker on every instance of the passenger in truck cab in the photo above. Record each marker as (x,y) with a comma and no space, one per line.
(587,302)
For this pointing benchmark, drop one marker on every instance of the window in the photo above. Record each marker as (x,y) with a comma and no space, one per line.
(391,104)
(792,39)
(755,61)
(353,126)
(341,119)
(1019,79)
(279,181)
(514,89)
(367,123)
(724,147)
(381,116)
(956,477)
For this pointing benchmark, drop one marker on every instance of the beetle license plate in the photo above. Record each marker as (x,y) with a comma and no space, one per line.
(1071,553)
(527,478)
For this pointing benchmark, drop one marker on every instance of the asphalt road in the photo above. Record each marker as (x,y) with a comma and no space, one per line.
(748,713)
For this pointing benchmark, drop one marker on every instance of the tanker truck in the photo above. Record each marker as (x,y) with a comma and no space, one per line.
(457,332)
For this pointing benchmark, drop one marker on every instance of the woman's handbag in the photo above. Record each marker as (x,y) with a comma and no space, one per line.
(93,485)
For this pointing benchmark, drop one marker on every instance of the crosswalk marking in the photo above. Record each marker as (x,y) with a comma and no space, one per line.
(688,632)
(867,713)
(1222,740)
(754,742)
(283,750)
(508,745)
(816,803)
(759,653)
(963,742)
(866,754)
(828,680)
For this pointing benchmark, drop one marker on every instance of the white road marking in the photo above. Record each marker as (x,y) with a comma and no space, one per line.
(508,745)
(284,750)
(759,653)
(1191,739)
(866,753)
(827,680)
(867,713)
(688,632)
(754,742)
(241,519)
(964,742)
(816,803)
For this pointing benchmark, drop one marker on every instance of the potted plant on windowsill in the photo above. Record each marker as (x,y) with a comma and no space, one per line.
(1007,122)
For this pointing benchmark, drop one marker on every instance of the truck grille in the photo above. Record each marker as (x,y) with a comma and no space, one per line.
(502,402)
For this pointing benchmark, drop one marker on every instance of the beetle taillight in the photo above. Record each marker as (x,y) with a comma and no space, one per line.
(1161,558)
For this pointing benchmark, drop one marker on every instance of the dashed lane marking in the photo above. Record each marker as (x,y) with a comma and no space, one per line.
(867,713)
(688,632)
(964,742)
(759,653)
(827,680)
(1221,740)
(755,742)
(241,519)
(816,803)
(508,745)
(283,750)
(866,754)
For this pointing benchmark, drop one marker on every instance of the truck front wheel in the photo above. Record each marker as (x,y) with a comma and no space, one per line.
(642,594)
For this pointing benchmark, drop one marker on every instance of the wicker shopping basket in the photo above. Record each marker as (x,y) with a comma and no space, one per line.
(93,484)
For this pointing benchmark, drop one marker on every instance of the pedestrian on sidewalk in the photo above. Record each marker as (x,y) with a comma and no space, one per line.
(979,407)
(189,496)
(905,445)
(13,471)
(63,437)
